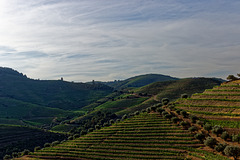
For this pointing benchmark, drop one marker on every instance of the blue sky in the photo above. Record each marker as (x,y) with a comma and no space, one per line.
(82,40)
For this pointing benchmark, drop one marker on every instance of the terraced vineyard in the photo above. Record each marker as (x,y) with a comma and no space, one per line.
(146,136)
(219,106)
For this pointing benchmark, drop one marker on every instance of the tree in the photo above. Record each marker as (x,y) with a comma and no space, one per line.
(37,148)
(164,113)
(7,157)
(136,113)
(165,101)
(167,116)
(207,127)
(199,136)
(25,152)
(220,147)
(184,96)
(160,110)
(225,135)
(233,151)
(193,118)
(192,129)
(47,145)
(217,130)
(184,114)
(232,78)
(210,142)
(175,119)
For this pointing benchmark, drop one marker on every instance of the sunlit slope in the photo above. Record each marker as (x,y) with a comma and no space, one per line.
(220,105)
(146,136)
(139,81)
(173,89)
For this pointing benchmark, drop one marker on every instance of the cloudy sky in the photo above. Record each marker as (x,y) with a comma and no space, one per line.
(82,40)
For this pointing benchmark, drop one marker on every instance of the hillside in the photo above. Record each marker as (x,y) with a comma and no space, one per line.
(173,89)
(145,136)
(17,138)
(120,103)
(219,106)
(139,81)
(40,101)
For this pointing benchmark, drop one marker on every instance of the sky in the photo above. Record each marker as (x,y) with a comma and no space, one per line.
(104,40)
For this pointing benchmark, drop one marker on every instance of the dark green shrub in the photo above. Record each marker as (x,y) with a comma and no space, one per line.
(217,130)
(225,135)
(193,118)
(37,148)
(143,110)
(14,154)
(90,130)
(167,116)
(235,138)
(25,152)
(233,151)
(160,110)
(153,108)
(200,123)
(232,78)
(220,147)
(192,128)
(178,111)
(118,120)
(199,136)
(7,157)
(175,119)
(55,143)
(111,121)
(184,95)
(70,138)
(76,136)
(83,132)
(184,124)
(158,105)
(164,113)
(184,114)
(148,110)
(97,127)
(47,145)
(124,117)
(136,113)
(165,101)
(207,127)
(171,107)
(210,142)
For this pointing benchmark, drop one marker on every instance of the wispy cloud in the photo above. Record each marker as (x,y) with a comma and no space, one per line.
(108,39)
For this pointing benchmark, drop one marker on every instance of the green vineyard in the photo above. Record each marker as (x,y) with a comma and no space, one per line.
(219,106)
(145,136)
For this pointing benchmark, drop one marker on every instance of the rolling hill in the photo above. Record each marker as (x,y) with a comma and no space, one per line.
(139,81)
(26,99)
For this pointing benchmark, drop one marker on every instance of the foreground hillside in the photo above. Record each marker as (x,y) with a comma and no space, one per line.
(146,136)
(17,138)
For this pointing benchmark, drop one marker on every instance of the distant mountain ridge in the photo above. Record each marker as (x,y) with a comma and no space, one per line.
(139,81)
